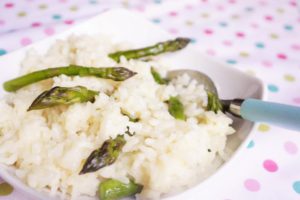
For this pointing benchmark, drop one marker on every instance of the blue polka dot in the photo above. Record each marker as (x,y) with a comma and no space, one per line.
(273,88)
(93,1)
(223,24)
(2,52)
(56,16)
(296,186)
(251,144)
(231,61)
(288,27)
(193,40)
(249,9)
(260,45)
(157,1)
(156,20)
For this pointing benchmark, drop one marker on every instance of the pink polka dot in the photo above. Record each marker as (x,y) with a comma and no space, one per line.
(25,41)
(263,3)
(36,24)
(9,5)
(69,22)
(173,14)
(62,1)
(208,31)
(254,25)
(270,166)
(49,31)
(240,34)
(220,7)
(140,8)
(210,52)
(281,56)
(2,22)
(189,7)
(231,1)
(268,18)
(252,185)
(227,43)
(291,147)
(293,3)
(173,30)
(296,100)
(267,64)
(296,47)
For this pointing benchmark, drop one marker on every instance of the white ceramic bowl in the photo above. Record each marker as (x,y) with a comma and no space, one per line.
(123,26)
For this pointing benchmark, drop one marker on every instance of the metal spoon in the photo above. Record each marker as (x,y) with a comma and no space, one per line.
(251,109)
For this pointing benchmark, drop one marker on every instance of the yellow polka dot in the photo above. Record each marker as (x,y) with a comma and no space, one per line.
(189,22)
(244,54)
(22,14)
(280,10)
(235,16)
(274,36)
(250,72)
(263,127)
(5,189)
(73,8)
(205,15)
(43,6)
(289,78)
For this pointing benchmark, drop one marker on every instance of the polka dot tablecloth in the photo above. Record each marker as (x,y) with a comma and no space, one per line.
(261,38)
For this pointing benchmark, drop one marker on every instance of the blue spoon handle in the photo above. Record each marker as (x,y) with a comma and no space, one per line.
(275,113)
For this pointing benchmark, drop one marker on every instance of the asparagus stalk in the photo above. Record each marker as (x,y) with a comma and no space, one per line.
(176,108)
(161,47)
(112,189)
(213,102)
(106,155)
(114,73)
(63,96)
(158,79)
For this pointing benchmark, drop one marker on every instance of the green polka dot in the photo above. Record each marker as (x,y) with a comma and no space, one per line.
(43,6)
(5,189)
(244,54)
(22,14)
(74,8)
(273,88)
(289,78)
(274,36)
(263,128)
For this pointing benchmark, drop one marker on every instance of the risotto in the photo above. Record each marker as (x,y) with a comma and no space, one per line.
(48,147)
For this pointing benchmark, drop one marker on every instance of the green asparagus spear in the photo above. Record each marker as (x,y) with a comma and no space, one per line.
(112,189)
(114,73)
(158,79)
(176,108)
(106,155)
(161,47)
(63,96)
(213,102)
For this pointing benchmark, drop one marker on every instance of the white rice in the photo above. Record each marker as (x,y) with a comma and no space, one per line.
(48,147)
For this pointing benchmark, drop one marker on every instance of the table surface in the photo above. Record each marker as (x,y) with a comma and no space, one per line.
(258,37)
